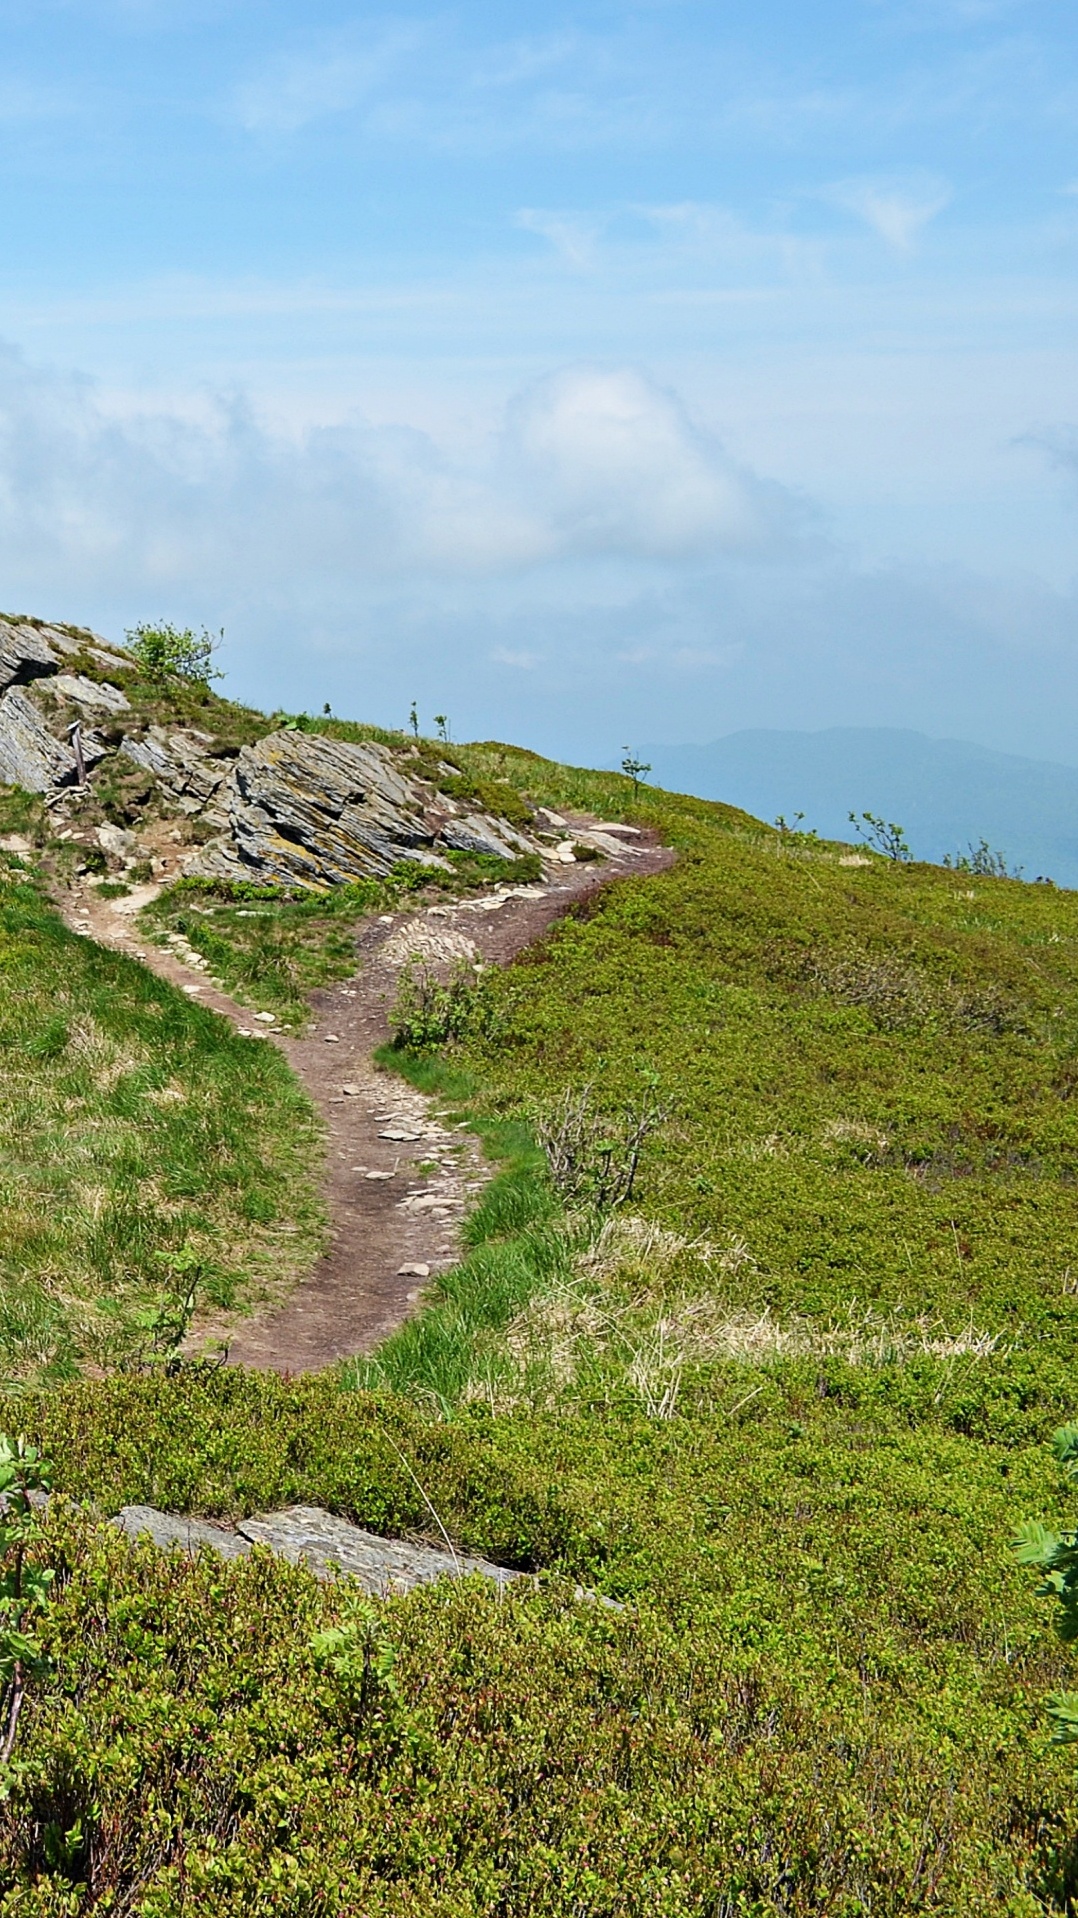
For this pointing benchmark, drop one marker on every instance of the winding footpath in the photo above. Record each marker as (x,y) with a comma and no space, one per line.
(391,1225)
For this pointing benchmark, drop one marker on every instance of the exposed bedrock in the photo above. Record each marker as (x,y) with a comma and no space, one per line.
(319,812)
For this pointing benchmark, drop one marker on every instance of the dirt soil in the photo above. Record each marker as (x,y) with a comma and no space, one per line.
(392,1225)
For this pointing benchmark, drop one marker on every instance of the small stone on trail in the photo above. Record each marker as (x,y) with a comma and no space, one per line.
(192,991)
(413,1272)
(385,919)
(332,1039)
(267,1018)
(351,1092)
(378,1175)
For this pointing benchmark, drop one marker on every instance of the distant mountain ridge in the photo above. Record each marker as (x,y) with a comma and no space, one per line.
(946,793)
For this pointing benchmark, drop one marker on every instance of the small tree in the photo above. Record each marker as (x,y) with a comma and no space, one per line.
(167,652)
(24,1584)
(442,724)
(413,720)
(983,862)
(634,768)
(882,835)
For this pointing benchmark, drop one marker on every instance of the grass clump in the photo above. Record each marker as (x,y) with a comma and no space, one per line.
(135,1125)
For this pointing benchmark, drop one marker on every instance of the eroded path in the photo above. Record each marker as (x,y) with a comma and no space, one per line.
(391,1224)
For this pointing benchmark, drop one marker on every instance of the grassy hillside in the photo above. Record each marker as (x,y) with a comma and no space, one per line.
(143,1142)
(786,1408)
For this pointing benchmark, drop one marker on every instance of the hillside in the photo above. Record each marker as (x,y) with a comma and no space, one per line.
(784,1405)
(948,793)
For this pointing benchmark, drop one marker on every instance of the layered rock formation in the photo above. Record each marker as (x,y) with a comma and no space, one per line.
(311,811)
(294,808)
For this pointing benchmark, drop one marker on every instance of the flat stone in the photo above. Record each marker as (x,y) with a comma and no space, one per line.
(330,1546)
(176,1532)
(304,1534)
(95,693)
(417,1270)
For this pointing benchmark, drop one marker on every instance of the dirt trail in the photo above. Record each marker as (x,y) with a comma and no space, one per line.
(391,1226)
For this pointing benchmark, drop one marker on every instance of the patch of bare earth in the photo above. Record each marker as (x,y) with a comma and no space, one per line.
(391,1226)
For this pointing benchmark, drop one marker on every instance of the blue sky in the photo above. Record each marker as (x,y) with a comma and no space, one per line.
(590,373)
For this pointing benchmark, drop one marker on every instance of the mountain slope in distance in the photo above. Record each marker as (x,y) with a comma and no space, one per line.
(946,793)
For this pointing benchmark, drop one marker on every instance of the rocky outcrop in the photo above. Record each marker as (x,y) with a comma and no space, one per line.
(329,1546)
(95,694)
(295,808)
(184,767)
(32,756)
(24,654)
(303,809)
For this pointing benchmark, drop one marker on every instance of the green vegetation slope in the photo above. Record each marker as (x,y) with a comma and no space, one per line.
(786,1408)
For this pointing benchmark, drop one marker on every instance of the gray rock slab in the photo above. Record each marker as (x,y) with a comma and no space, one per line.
(97,694)
(25,654)
(477,833)
(176,1532)
(30,756)
(181,763)
(382,1566)
(304,1534)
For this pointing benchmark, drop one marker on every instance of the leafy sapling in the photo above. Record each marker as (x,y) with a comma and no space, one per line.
(167,652)
(442,724)
(634,768)
(983,862)
(24,1583)
(413,720)
(882,835)
(360,1657)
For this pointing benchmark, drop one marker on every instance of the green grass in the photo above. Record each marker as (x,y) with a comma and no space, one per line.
(272,947)
(787,1410)
(135,1126)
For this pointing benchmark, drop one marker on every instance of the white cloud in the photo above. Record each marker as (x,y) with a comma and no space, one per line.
(616,466)
(590,464)
(523,661)
(898,210)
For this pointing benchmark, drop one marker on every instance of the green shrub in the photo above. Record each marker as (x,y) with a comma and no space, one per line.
(165,652)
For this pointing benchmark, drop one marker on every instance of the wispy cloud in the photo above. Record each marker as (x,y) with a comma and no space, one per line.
(897,209)
(574,236)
